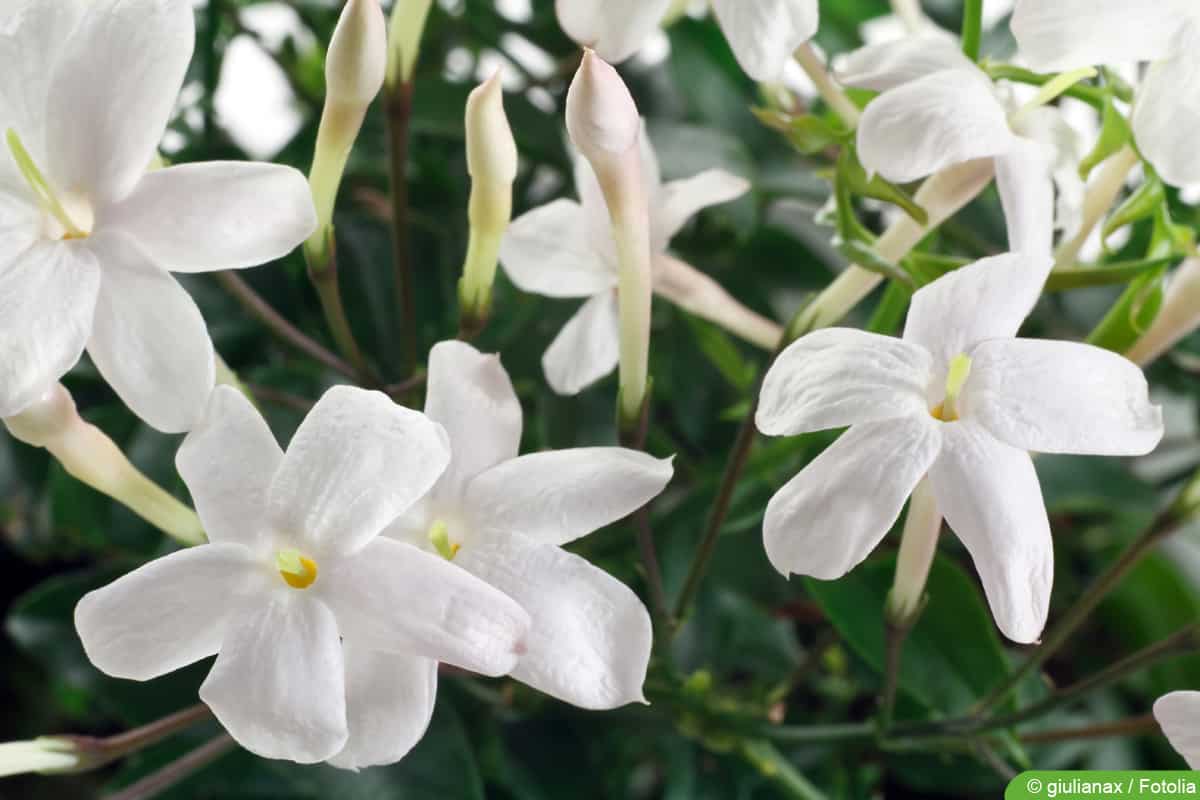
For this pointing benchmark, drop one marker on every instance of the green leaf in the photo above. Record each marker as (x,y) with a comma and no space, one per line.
(953,655)
(890,312)
(1142,204)
(1115,133)
(808,133)
(1133,313)
(866,257)
(851,171)
(722,353)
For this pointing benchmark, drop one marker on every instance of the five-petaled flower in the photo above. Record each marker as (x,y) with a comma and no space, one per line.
(87,235)
(327,635)
(505,518)
(962,400)
(762,33)
(938,109)
(566,249)
(1069,34)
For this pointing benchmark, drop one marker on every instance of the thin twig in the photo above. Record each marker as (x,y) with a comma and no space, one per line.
(156,782)
(1132,726)
(399,114)
(281,398)
(280,327)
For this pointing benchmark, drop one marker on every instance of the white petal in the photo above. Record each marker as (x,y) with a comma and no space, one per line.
(33,34)
(589,644)
(47,300)
(1061,397)
(113,92)
(836,377)
(148,339)
(1178,714)
(396,598)
(357,462)
(1067,34)
(547,251)
(472,397)
(831,516)
(679,201)
(218,215)
(559,495)
(765,33)
(278,685)
(989,494)
(389,702)
(228,462)
(615,29)
(1166,111)
(166,614)
(1023,177)
(934,122)
(587,348)
(886,65)
(988,299)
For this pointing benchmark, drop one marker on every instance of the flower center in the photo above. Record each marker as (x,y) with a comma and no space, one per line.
(439,537)
(956,378)
(298,570)
(46,197)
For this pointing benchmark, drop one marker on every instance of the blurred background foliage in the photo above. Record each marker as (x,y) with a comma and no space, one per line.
(757,646)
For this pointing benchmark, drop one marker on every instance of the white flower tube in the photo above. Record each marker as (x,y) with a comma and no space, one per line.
(918,545)
(492,164)
(604,125)
(88,455)
(46,755)
(1179,315)
(354,72)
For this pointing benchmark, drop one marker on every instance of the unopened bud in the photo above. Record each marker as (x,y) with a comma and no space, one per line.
(45,755)
(1178,316)
(404,39)
(492,163)
(604,125)
(354,72)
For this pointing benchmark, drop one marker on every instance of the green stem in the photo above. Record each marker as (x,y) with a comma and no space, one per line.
(1166,524)
(765,757)
(972,28)
(1091,95)
(1132,726)
(323,272)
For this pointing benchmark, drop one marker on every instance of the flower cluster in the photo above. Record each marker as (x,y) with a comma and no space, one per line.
(330,580)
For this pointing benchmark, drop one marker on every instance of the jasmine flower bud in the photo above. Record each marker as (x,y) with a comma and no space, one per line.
(404,39)
(492,163)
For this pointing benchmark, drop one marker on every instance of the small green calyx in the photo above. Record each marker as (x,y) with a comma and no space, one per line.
(1051,91)
(439,537)
(956,378)
(41,187)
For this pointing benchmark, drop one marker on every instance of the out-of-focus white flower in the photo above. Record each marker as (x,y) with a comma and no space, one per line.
(45,754)
(504,518)
(566,249)
(1178,714)
(326,635)
(762,33)
(1068,34)
(88,237)
(938,109)
(958,399)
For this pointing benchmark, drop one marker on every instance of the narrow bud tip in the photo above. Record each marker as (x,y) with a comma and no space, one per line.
(491,149)
(602,118)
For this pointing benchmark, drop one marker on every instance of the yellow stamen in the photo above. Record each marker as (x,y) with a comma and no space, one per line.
(956,378)
(298,570)
(41,187)
(439,537)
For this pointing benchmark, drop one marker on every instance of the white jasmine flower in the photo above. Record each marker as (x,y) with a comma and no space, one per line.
(566,249)
(87,236)
(505,517)
(938,109)
(763,33)
(1178,714)
(326,635)
(1068,34)
(958,399)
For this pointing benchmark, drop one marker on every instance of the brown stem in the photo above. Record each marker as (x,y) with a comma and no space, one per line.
(283,330)
(1132,726)
(399,114)
(156,782)
(635,439)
